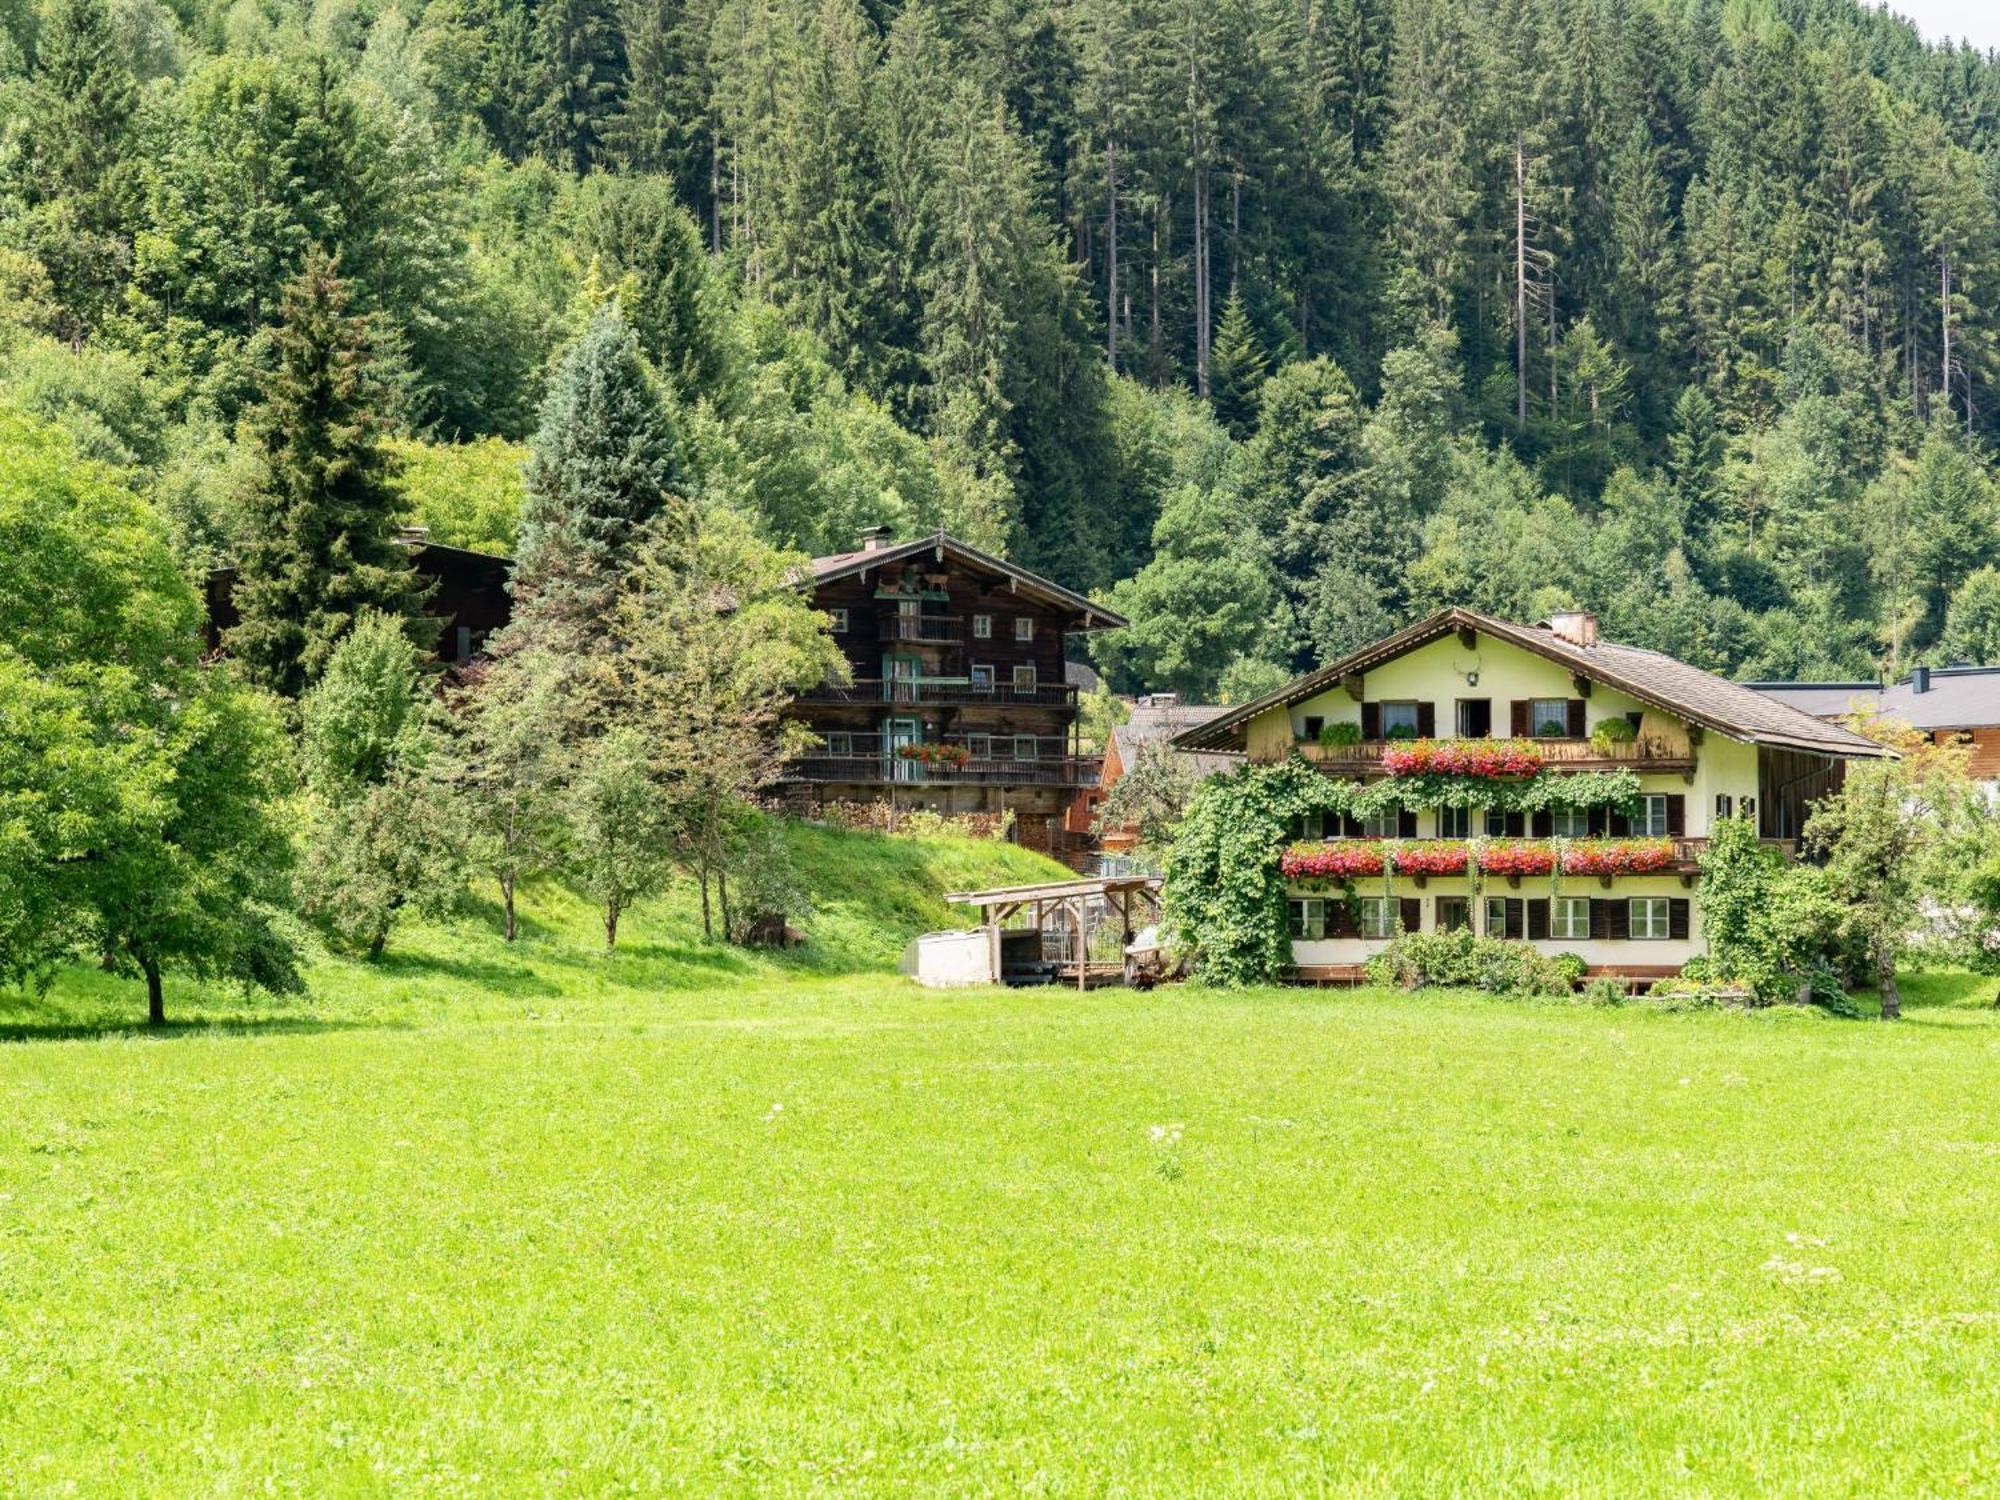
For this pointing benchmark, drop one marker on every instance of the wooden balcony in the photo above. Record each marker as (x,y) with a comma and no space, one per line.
(1365,758)
(877,770)
(921,630)
(864,692)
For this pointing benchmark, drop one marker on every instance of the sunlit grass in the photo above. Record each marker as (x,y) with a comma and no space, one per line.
(481,1221)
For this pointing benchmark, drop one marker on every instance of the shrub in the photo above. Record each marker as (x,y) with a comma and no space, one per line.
(1604,990)
(1464,960)
(1342,732)
(1402,732)
(1572,967)
(1552,729)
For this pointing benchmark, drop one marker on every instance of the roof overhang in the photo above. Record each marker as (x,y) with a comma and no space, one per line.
(940,545)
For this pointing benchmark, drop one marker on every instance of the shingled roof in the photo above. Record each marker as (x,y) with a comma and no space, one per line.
(942,544)
(1651,677)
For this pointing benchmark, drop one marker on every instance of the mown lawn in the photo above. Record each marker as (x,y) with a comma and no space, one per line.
(483,1222)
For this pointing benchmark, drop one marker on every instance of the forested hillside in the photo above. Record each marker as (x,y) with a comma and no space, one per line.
(1275,322)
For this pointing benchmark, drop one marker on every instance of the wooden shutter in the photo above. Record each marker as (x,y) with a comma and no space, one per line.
(1517,917)
(1677,814)
(1677,917)
(1350,825)
(1371,721)
(1413,913)
(1406,823)
(1544,824)
(1427,719)
(1596,819)
(1621,825)
(1600,918)
(1538,920)
(1576,718)
(1339,920)
(1516,825)
(1518,713)
(1621,920)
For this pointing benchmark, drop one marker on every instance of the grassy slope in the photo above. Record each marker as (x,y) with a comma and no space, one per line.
(533,1222)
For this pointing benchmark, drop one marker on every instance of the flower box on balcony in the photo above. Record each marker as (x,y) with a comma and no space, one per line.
(1344,859)
(950,757)
(1431,857)
(1515,857)
(1618,856)
(1491,759)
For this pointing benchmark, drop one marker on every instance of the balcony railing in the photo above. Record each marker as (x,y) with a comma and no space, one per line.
(921,630)
(957,694)
(1364,758)
(879,770)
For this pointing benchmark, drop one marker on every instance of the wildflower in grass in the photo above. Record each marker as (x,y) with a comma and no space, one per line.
(1168,1139)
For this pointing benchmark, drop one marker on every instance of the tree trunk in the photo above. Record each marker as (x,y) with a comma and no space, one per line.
(1111,254)
(1201,320)
(380,940)
(1885,982)
(156,1001)
(701,869)
(722,900)
(1944,326)
(610,924)
(507,900)
(1520,283)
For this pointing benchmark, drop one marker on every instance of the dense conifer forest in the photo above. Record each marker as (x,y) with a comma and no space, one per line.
(1274,322)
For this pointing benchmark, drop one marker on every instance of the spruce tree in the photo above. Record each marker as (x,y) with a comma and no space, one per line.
(580,82)
(1237,369)
(605,472)
(319,518)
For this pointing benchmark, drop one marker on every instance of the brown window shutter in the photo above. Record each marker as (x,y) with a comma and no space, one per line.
(1595,820)
(1516,825)
(1371,721)
(1350,826)
(1339,920)
(1677,814)
(1413,913)
(1544,824)
(1518,711)
(1406,823)
(1427,719)
(1677,917)
(1621,825)
(1576,718)
(1600,918)
(1538,920)
(1517,916)
(1621,921)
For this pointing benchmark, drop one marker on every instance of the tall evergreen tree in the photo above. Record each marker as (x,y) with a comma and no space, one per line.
(580,79)
(319,518)
(1237,369)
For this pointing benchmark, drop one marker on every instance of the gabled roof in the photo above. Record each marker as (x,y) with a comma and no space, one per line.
(940,545)
(1150,722)
(1653,678)
(1962,697)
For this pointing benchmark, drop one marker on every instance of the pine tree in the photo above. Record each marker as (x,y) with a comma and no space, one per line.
(1237,369)
(605,473)
(319,520)
(580,57)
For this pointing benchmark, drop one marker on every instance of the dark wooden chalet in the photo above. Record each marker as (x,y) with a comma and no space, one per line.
(469,598)
(959,699)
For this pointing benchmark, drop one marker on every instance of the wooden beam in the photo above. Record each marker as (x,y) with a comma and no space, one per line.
(1468,637)
(1354,683)
(1581,683)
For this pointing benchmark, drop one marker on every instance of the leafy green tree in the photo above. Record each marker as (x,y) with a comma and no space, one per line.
(140,785)
(618,825)
(605,475)
(1972,621)
(464,494)
(319,520)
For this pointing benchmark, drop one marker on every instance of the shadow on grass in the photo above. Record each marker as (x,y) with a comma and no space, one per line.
(514,980)
(73,1028)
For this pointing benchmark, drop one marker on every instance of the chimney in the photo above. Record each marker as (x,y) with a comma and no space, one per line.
(414,536)
(1577,626)
(875,538)
(1920,679)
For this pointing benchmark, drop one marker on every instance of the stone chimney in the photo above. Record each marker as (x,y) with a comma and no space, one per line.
(1577,626)
(414,536)
(1920,680)
(875,538)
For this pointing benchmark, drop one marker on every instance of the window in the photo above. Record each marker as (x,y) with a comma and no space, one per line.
(1314,724)
(840,745)
(465,643)
(1024,747)
(1308,917)
(1454,822)
(1454,913)
(839,621)
(1649,818)
(1024,628)
(1649,916)
(1375,916)
(1308,826)
(1475,718)
(1496,823)
(1399,721)
(1569,918)
(1496,916)
(982,677)
(1548,718)
(1725,805)
(1569,823)
(1024,678)
(1381,825)
(982,627)
(979,746)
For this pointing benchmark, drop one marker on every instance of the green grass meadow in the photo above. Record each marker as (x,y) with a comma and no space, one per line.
(476,1221)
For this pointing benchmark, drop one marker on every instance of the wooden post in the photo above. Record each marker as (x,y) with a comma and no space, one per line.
(1082,941)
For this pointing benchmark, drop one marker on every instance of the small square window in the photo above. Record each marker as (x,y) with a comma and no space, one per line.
(1375,916)
(1381,825)
(979,746)
(1649,817)
(1454,822)
(1649,916)
(1308,917)
(1569,823)
(982,676)
(1024,747)
(840,745)
(1569,918)
(1725,805)
(1454,913)
(1496,823)
(1308,825)
(1314,724)
(1024,678)
(839,617)
(1399,720)
(1496,916)
(982,627)
(1548,718)
(1024,628)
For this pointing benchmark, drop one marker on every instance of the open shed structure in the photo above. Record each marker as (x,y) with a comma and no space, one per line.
(1054,945)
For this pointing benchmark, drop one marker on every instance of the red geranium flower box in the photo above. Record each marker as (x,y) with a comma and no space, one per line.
(1618,856)
(1432,857)
(1342,859)
(1517,857)
(1488,758)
